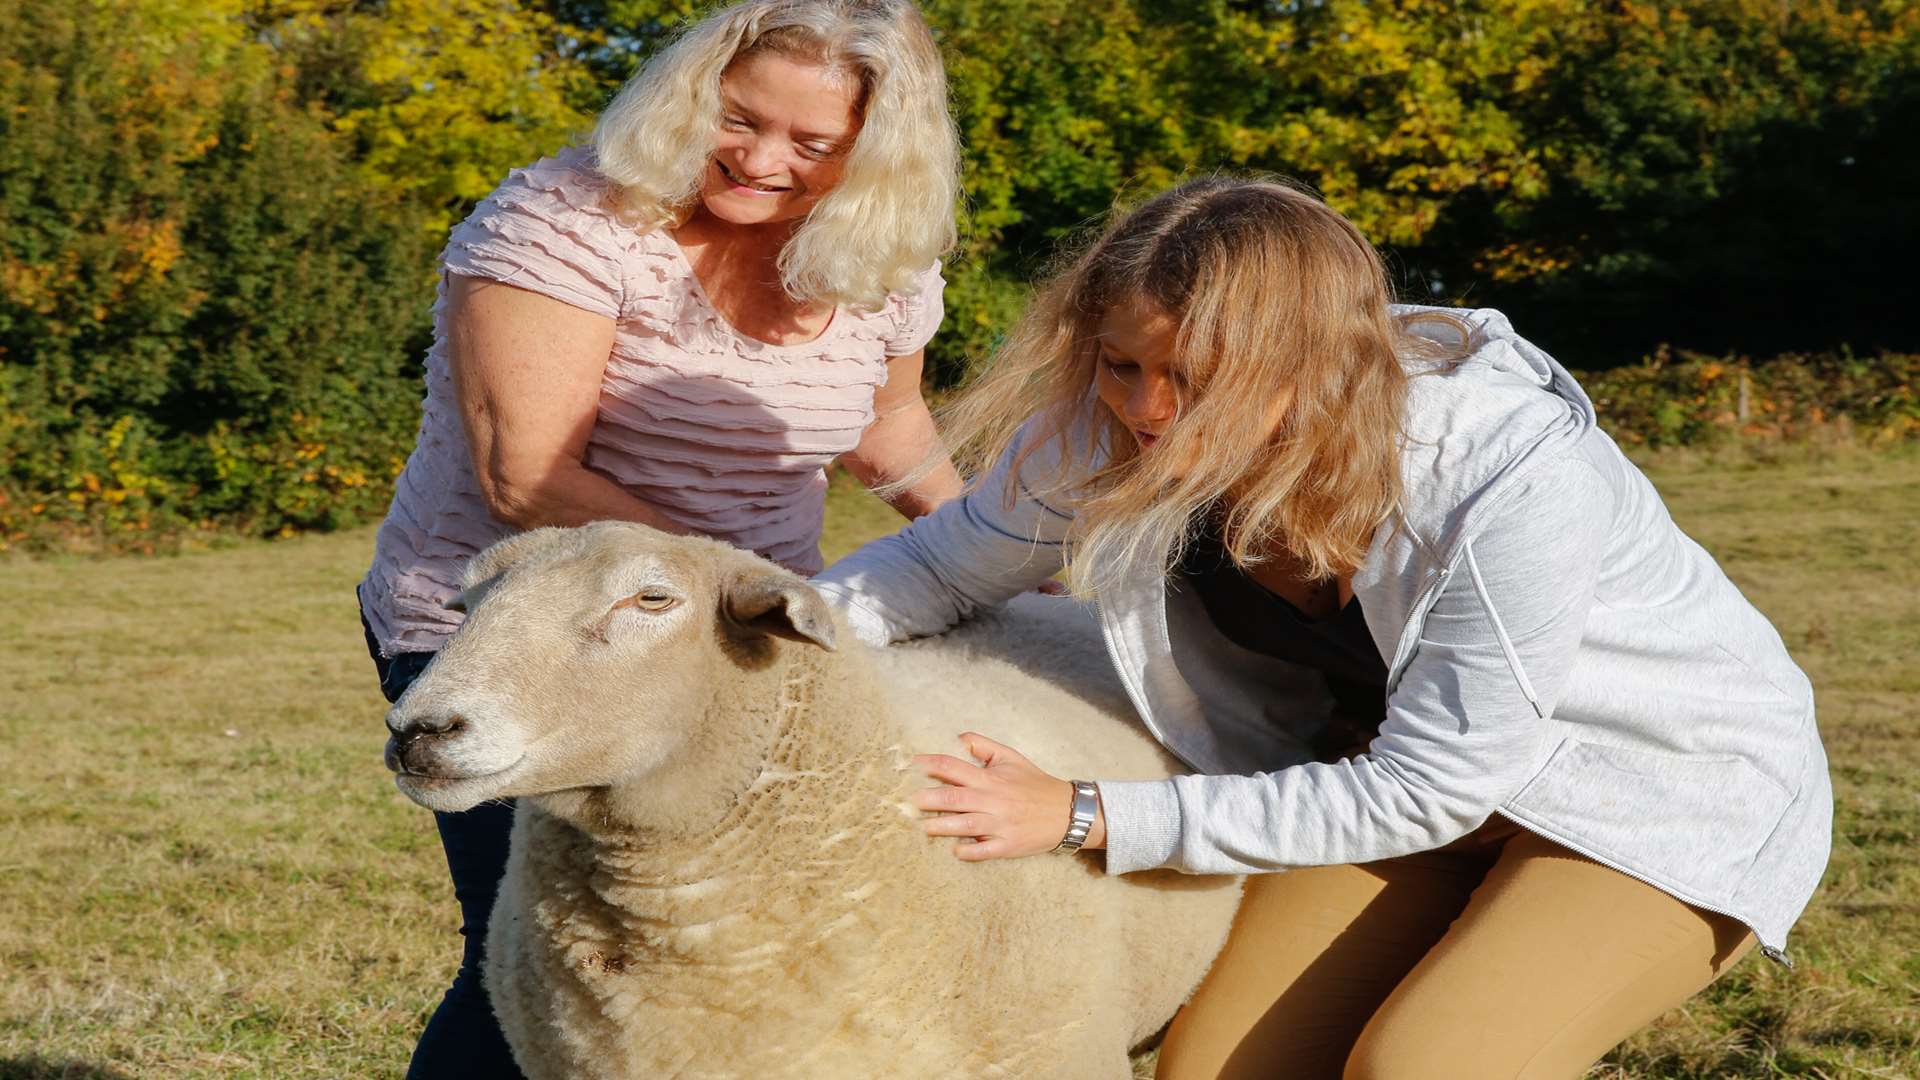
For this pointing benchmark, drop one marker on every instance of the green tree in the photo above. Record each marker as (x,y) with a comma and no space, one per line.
(206,312)
(217,219)
(1390,110)
(440,97)
(1728,174)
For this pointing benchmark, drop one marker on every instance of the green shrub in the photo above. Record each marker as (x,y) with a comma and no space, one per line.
(1704,401)
(218,217)
(207,317)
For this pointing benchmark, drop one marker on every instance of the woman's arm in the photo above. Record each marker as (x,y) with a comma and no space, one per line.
(1462,731)
(527,371)
(899,441)
(976,551)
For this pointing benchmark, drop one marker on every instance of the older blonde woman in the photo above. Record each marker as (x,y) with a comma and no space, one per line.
(1515,766)
(679,324)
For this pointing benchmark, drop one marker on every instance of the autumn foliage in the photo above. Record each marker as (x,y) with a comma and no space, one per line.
(218,219)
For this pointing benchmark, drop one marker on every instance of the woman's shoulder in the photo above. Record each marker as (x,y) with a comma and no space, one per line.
(1483,409)
(555,227)
(921,286)
(568,187)
(566,180)
(907,319)
(1480,386)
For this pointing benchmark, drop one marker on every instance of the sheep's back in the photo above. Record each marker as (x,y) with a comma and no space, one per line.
(1037,676)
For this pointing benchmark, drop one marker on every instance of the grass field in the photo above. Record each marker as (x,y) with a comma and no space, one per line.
(205,870)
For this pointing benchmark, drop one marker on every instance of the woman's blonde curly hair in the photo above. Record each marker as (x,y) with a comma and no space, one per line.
(890,216)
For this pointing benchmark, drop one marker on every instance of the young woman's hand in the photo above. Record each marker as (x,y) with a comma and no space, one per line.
(1005,805)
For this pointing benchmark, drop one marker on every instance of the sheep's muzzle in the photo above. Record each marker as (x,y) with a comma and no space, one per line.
(415,750)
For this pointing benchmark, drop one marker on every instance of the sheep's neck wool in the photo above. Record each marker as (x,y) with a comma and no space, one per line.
(806,848)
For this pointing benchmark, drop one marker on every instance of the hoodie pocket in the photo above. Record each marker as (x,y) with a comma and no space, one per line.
(1693,824)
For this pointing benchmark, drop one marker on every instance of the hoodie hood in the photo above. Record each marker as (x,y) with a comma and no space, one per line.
(1475,424)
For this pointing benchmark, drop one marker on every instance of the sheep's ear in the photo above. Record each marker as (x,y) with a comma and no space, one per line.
(779,604)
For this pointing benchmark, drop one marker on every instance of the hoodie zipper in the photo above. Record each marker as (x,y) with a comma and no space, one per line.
(1420,604)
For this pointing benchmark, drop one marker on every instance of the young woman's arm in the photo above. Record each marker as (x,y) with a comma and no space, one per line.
(1463,728)
(974,552)
(900,440)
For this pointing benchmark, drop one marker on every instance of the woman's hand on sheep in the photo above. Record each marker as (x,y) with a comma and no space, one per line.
(1005,805)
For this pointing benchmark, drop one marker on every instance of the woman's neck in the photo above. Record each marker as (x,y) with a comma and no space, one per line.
(731,243)
(738,267)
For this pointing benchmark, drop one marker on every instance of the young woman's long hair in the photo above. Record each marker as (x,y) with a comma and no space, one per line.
(1289,366)
(890,216)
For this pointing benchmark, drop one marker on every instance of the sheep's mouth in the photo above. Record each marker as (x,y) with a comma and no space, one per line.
(452,791)
(432,779)
(429,780)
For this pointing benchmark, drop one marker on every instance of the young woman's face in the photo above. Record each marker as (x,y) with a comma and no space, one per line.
(1134,373)
(785,129)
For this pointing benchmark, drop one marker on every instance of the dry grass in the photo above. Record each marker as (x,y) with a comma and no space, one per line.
(204,870)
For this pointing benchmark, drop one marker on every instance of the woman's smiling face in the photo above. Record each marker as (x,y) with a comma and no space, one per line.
(786,127)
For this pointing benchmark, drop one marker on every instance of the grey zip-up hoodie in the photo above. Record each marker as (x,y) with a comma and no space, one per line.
(1558,652)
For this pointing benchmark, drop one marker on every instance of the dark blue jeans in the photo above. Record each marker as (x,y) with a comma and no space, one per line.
(462,1040)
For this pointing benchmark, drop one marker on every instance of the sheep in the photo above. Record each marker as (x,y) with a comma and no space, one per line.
(715,870)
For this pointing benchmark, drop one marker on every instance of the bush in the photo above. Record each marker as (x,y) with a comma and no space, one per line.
(207,318)
(1705,401)
(218,217)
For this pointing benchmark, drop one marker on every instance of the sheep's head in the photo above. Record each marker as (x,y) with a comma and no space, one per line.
(587,658)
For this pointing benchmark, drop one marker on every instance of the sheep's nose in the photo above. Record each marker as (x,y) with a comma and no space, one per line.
(414,727)
(418,734)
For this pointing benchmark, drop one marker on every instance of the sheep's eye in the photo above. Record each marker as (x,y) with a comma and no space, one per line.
(651,601)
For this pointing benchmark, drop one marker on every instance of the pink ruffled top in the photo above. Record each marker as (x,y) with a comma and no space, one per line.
(723,433)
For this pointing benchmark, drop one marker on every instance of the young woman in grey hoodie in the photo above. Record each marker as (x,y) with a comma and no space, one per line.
(1515,765)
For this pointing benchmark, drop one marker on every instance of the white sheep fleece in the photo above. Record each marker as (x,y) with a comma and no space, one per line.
(714,869)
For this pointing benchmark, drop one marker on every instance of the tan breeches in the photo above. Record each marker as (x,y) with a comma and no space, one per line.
(1502,955)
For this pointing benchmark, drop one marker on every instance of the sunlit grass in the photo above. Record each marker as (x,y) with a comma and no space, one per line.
(205,871)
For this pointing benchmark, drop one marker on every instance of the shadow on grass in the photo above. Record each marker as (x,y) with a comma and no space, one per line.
(39,1068)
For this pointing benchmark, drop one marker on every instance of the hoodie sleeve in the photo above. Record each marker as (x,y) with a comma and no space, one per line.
(1463,728)
(975,552)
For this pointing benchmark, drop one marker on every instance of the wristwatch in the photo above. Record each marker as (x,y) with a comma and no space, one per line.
(1086,804)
